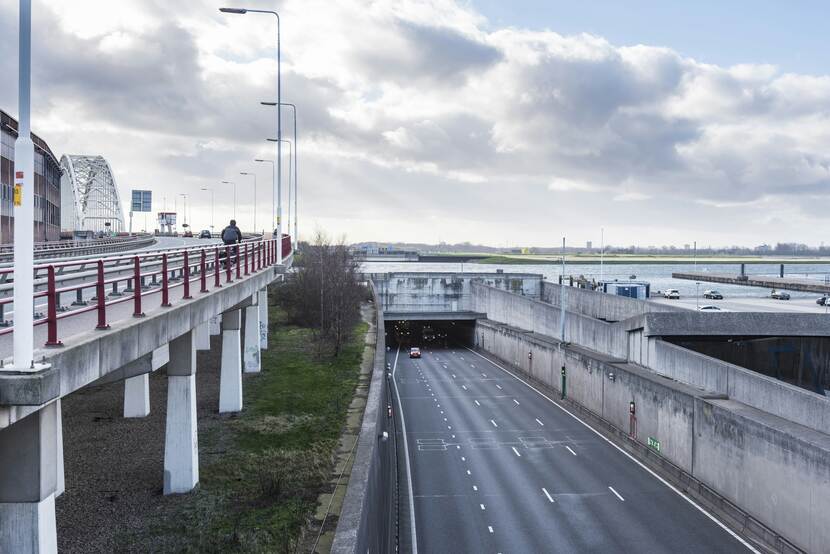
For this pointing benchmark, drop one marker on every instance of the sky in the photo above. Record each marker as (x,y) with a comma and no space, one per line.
(501,123)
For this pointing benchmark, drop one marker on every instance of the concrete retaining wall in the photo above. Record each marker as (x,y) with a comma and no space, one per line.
(366,522)
(600,305)
(540,317)
(775,470)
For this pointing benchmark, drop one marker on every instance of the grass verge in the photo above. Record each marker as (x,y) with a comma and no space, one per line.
(278,454)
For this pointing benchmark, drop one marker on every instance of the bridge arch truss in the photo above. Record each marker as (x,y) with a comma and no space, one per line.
(90,196)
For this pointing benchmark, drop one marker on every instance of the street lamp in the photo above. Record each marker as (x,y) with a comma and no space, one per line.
(184,209)
(254,176)
(296,148)
(242,11)
(273,184)
(279,187)
(211,205)
(234,195)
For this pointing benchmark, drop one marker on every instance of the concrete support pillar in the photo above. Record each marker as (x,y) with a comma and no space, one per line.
(215,329)
(60,477)
(263,318)
(203,336)
(137,396)
(250,354)
(181,447)
(28,479)
(230,376)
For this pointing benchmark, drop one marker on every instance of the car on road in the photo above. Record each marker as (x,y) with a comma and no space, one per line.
(414,352)
(823,301)
(710,308)
(205,234)
(779,295)
(188,234)
(712,295)
(672,294)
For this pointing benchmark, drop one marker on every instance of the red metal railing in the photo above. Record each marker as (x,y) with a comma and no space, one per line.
(165,270)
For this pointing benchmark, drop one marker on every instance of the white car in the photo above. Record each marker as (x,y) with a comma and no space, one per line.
(672,294)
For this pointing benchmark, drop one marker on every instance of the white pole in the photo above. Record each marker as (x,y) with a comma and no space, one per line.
(562,297)
(601,251)
(24,168)
(279,147)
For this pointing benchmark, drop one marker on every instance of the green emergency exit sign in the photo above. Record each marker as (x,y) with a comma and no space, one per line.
(654,443)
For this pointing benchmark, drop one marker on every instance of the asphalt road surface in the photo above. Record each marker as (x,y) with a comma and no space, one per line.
(750,304)
(497,467)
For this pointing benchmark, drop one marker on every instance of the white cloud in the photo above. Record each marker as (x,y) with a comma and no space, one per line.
(412,99)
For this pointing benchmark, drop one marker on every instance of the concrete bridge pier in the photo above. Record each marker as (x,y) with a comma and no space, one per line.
(251,359)
(203,336)
(214,325)
(181,450)
(28,481)
(60,478)
(137,396)
(262,302)
(230,372)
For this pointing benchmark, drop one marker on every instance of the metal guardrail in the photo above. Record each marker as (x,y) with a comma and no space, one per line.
(73,248)
(164,269)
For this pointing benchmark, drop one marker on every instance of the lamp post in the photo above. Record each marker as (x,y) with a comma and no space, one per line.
(242,11)
(24,198)
(254,176)
(184,210)
(211,206)
(234,195)
(279,185)
(273,183)
(562,299)
(296,148)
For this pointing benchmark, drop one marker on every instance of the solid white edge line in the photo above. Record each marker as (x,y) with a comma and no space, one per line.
(539,422)
(413,533)
(516,451)
(544,490)
(626,454)
(516,401)
(571,450)
(616,493)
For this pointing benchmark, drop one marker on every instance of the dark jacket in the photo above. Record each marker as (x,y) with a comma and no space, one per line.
(231,234)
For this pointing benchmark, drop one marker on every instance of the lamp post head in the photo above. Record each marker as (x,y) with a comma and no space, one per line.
(245,173)
(268,103)
(240,11)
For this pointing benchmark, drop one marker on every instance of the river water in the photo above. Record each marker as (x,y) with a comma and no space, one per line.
(659,275)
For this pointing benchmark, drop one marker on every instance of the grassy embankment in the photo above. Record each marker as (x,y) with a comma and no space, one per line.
(279,454)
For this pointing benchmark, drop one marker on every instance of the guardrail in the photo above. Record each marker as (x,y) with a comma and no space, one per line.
(208,267)
(59,249)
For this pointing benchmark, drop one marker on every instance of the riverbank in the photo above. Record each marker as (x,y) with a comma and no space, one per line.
(616,259)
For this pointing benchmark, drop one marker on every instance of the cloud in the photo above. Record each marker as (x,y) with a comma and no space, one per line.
(422,117)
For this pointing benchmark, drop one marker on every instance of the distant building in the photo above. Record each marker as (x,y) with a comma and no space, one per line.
(47,183)
(589,245)
(687,247)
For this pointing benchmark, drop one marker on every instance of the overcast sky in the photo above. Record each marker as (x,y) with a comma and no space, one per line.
(456,121)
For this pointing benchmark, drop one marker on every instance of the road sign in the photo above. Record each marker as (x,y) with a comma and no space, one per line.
(142,201)
(654,443)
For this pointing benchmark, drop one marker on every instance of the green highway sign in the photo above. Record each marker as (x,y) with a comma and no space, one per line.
(654,443)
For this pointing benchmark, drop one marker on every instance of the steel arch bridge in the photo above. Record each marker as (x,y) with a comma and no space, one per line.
(89,195)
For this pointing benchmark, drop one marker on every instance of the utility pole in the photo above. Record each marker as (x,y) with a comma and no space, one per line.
(562,299)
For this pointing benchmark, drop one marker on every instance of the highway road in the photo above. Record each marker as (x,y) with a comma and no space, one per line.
(751,304)
(497,467)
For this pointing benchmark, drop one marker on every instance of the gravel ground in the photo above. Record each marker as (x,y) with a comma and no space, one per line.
(114,466)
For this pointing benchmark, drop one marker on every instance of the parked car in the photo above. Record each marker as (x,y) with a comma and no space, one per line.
(205,234)
(710,308)
(778,295)
(823,301)
(712,295)
(672,294)
(414,352)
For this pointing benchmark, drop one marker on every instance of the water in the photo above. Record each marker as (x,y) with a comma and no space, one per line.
(659,275)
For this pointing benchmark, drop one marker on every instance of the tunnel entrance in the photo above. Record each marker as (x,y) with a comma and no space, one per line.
(800,361)
(424,333)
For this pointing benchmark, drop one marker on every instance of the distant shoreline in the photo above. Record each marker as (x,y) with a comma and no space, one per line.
(609,260)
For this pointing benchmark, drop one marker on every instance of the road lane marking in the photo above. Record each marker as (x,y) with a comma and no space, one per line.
(476,401)
(489,528)
(570,450)
(482,507)
(442,412)
(544,490)
(473,366)
(468,472)
(516,451)
(516,401)
(453,375)
(494,423)
(449,426)
(475,488)
(413,534)
(464,387)
(539,422)
(498,387)
(445,419)
(616,493)
(463,459)
(484,375)
(453,436)
(626,454)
